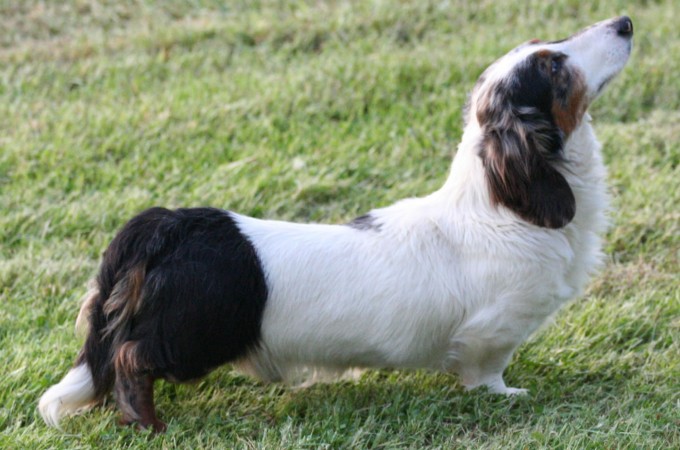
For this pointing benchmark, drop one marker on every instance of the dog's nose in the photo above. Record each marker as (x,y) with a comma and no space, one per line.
(624,26)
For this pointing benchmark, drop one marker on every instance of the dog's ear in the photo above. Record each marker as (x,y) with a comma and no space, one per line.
(519,152)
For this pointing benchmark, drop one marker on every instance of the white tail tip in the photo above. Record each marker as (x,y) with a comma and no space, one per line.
(73,394)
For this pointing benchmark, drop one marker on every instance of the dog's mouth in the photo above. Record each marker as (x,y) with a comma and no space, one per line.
(609,45)
(618,63)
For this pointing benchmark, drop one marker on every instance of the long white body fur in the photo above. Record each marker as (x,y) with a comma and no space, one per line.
(448,283)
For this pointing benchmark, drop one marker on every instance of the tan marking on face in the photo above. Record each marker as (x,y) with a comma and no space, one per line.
(544,54)
(568,114)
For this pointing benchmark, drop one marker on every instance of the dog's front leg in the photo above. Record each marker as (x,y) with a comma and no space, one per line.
(481,362)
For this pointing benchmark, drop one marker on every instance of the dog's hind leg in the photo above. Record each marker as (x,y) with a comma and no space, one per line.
(134,390)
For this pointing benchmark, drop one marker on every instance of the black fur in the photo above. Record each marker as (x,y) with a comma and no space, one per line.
(365,222)
(522,144)
(194,292)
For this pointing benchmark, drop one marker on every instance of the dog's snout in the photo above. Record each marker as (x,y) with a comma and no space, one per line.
(624,26)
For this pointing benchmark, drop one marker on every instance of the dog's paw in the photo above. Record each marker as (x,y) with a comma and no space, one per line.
(511,392)
(495,385)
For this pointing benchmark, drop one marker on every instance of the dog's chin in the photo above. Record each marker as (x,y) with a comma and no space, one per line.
(601,86)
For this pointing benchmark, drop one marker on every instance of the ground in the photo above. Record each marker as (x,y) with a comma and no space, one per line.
(319,111)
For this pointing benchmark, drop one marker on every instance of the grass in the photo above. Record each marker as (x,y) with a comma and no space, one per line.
(319,111)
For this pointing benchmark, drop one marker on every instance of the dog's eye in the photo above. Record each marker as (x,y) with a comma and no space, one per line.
(555,66)
(557,62)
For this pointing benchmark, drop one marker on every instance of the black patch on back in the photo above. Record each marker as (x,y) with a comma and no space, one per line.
(202,297)
(365,222)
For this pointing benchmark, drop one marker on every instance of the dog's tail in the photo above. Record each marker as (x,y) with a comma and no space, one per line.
(76,392)
(107,309)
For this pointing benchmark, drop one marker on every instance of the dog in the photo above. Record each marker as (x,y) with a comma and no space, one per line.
(454,281)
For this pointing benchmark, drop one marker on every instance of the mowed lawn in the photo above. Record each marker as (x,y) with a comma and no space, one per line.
(319,111)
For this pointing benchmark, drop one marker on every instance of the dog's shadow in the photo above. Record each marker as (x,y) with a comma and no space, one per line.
(391,402)
(565,382)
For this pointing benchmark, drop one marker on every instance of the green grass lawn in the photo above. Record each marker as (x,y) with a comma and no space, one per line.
(319,111)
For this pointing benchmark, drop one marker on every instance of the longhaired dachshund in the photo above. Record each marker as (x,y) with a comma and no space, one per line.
(454,281)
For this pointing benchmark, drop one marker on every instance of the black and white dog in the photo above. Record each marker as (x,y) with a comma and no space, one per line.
(454,281)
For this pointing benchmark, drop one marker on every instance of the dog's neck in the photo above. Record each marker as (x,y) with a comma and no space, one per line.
(464,197)
(466,184)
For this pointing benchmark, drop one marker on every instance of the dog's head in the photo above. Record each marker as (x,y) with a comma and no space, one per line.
(527,105)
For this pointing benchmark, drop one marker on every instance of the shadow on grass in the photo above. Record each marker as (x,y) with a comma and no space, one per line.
(420,408)
(383,408)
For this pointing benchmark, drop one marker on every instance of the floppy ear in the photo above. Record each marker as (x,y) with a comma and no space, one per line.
(518,153)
